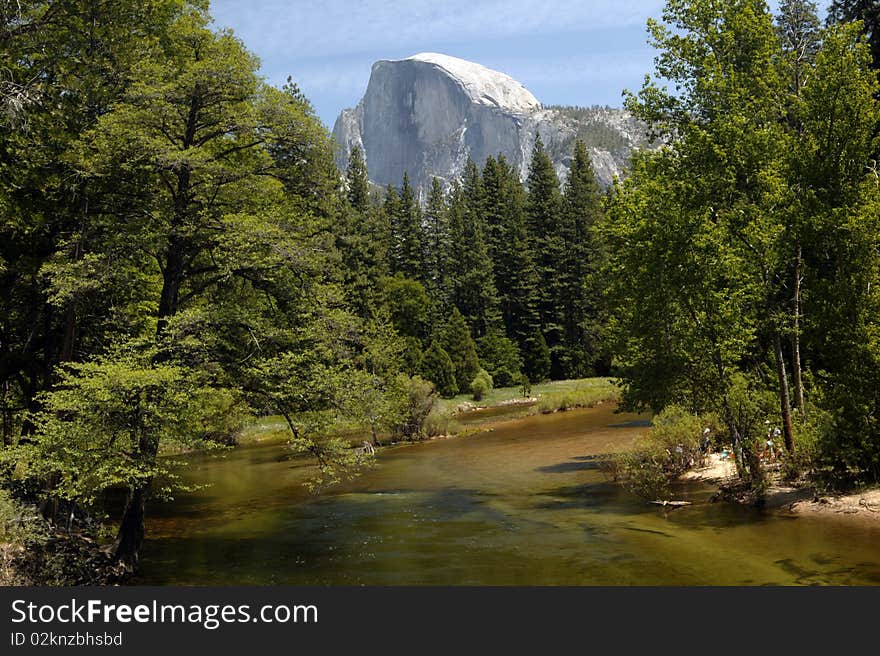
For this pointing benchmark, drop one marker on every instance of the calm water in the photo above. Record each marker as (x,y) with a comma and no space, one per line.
(523,504)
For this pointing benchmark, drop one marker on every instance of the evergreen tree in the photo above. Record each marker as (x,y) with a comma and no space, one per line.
(438,247)
(544,221)
(581,210)
(536,358)
(455,338)
(515,276)
(438,368)
(797,25)
(406,221)
(361,248)
(357,181)
(473,282)
(500,356)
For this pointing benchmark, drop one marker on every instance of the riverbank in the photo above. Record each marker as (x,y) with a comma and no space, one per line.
(542,397)
(862,507)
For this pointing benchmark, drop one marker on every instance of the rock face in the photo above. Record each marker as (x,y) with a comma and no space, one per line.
(427,114)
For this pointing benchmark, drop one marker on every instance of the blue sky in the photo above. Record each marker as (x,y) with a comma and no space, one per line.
(573,52)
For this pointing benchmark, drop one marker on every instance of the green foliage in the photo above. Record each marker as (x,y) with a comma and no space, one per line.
(536,357)
(499,355)
(473,284)
(544,221)
(579,397)
(525,386)
(662,455)
(439,423)
(438,247)
(20,524)
(408,304)
(406,253)
(708,239)
(416,399)
(513,262)
(481,385)
(357,181)
(456,340)
(105,422)
(582,209)
(438,368)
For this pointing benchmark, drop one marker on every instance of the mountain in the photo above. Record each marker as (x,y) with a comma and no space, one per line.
(426,114)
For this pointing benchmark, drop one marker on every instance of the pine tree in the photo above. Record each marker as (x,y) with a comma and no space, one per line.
(406,253)
(455,338)
(358,181)
(536,358)
(547,246)
(581,211)
(473,283)
(515,275)
(797,26)
(361,248)
(437,245)
(438,368)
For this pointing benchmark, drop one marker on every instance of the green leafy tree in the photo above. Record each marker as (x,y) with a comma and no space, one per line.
(408,304)
(221,167)
(865,11)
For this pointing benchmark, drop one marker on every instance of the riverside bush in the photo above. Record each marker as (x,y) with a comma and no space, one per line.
(663,454)
(481,385)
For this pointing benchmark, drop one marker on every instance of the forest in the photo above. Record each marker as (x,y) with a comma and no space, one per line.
(179,254)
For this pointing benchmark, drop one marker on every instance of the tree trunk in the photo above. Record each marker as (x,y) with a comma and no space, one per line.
(172,277)
(784,401)
(131,529)
(797,381)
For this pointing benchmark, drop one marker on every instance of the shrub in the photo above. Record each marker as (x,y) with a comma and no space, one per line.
(20,524)
(525,386)
(662,455)
(416,400)
(222,415)
(481,385)
(439,423)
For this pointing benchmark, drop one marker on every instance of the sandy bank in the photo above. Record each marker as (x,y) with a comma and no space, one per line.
(716,469)
(861,507)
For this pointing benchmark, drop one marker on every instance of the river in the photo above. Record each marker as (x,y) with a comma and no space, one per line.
(522,504)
